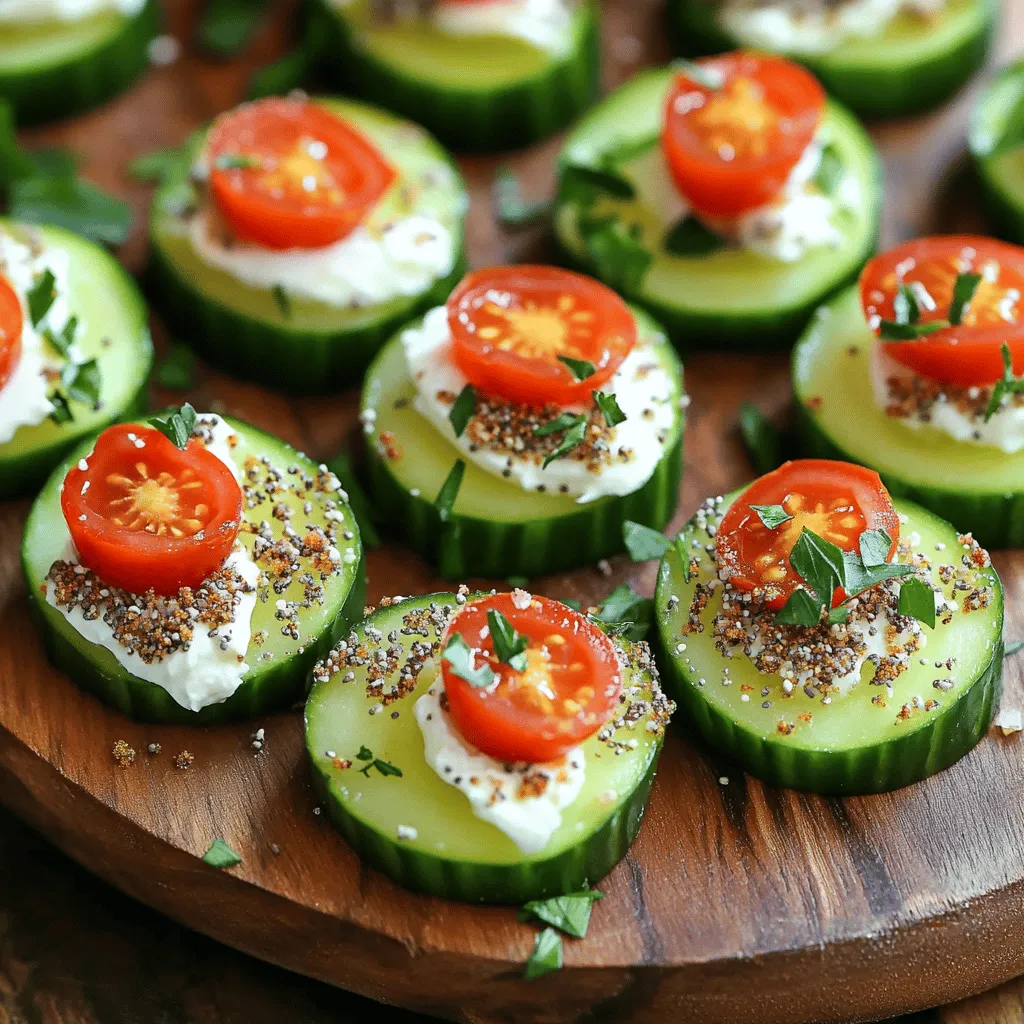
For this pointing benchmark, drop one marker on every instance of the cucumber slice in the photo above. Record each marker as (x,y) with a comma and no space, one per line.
(115,332)
(450,852)
(851,745)
(56,69)
(732,297)
(838,419)
(911,66)
(310,347)
(475,94)
(279,667)
(497,528)
(996,142)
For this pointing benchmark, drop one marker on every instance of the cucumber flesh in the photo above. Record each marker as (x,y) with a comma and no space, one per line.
(310,346)
(732,297)
(114,331)
(497,528)
(839,419)
(912,65)
(452,853)
(278,668)
(852,745)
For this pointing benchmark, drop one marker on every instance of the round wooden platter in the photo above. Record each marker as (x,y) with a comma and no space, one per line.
(739,902)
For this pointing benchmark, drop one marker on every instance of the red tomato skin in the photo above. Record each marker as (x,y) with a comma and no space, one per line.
(719,188)
(290,223)
(533,381)
(497,727)
(963,355)
(134,560)
(12,323)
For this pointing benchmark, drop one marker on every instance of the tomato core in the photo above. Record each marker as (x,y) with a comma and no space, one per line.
(511,325)
(968,354)
(569,689)
(836,500)
(735,126)
(11,325)
(144,514)
(287,174)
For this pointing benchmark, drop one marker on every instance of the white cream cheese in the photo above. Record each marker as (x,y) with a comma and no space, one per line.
(212,667)
(641,385)
(493,788)
(814,26)
(24,400)
(545,24)
(32,11)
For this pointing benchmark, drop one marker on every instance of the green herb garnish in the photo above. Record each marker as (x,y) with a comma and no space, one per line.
(72,203)
(963,291)
(510,209)
(575,433)
(463,409)
(61,343)
(459,656)
(1008,384)
(874,547)
(227,26)
(509,646)
(891,331)
(175,370)
(760,438)
(802,609)
(609,406)
(445,500)
(569,913)
(283,300)
(177,425)
(643,543)
(82,382)
(625,613)
(61,410)
(905,306)
(581,368)
(41,296)
(238,162)
(562,422)
(830,170)
(220,855)
(546,956)
(690,238)
(370,762)
(772,516)
(617,252)
(580,184)
(917,600)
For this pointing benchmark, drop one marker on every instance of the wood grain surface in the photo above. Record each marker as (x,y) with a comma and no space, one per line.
(738,903)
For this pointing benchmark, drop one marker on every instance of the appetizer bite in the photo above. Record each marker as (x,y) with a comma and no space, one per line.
(828,637)
(296,235)
(882,58)
(479,74)
(914,373)
(192,569)
(515,429)
(996,140)
(60,57)
(75,351)
(729,197)
(495,749)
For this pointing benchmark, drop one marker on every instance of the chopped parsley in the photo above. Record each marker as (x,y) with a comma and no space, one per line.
(569,913)
(581,368)
(1006,385)
(772,516)
(462,410)
(963,291)
(459,655)
(830,170)
(917,600)
(61,343)
(643,543)
(177,424)
(625,613)
(220,855)
(82,382)
(370,762)
(509,646)
(546,956)
(575,427)
(41,296)
(445,500)
(907,325)
(61,410)
(238,162)
(609,406)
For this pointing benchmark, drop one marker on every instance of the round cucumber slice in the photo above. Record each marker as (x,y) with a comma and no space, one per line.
(295,344)
(911,66)
(58,68)
(864,741)
(996,140)
(444,849)
(838,418)
(475,93)
(496,527)
(279,664)
(114,331)
(730,298)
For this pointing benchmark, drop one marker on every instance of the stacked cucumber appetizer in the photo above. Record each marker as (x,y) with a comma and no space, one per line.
(729,235)
(893,61)
(480,77)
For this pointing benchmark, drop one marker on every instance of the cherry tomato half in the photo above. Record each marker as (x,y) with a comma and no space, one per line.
(144,514)
(510,325)
(731,147)
(964,355)
(569,689)
(11,323)
(287,174)
(835,500)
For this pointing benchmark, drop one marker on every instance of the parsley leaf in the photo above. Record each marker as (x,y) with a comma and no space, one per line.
(220,855)
(802,609)
(386,768)
(509,646)
(41,296)
(237,162)
(463,409)
(905,306)
(772,516)
(510,209)
(569,913)
(72,203)
(61,410)
(563,422)
(963,291)
(227,26)
(874,547)
(175,371)
(830,170)
(891,331)
(617,253)
(917,600)
(579,183)
(546,956)
(838,615)
(643,543)
(1006,385)
(370,762)
(82,382)
(575,435)
(157,165)
(688,237)
(61,343)
(177,425)
(860,577)
(820,564)
(445,500)
(760,438)
(581,368)
(283,300)
(459,656)
(365,754)
(629,614)
(609,406)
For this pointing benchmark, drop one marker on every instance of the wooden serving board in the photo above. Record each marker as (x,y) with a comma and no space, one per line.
(739,902)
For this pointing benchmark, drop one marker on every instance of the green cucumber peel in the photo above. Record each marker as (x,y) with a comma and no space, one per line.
(1012,648)
(358,501)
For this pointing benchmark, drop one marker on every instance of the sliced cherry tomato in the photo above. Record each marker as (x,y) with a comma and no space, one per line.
(835,500)
(287,174)
(11,323)
(731,146)
(569,689)
(510,325)
(968,354)
(144,514)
